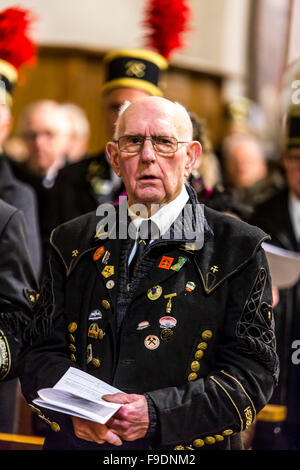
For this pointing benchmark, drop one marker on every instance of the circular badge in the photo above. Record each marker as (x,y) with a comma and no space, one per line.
(167,322)
(190,286)
(166,334)
(98,253)
(154,293)
(151,342)
(110,284)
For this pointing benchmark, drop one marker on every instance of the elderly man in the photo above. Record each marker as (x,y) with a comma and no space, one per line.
(184,327)
(45,128)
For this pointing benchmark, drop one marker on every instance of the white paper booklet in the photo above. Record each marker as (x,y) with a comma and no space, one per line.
(284,266)
(79,394)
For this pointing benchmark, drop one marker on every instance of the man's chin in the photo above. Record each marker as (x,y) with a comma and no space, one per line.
(150,196)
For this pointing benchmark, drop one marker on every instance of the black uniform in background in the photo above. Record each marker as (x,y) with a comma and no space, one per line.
(273,217)
(82,186)
(22,196)
(17,295)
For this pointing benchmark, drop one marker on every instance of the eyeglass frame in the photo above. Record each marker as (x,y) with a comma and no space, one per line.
(146,137)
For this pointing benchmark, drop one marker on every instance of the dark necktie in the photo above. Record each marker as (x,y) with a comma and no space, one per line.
(148,231)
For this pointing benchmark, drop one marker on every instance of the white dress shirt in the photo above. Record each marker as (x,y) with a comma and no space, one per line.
(294,210)
(163,218)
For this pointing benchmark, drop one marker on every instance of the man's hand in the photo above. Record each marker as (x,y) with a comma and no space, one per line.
(131,421)
(95,432)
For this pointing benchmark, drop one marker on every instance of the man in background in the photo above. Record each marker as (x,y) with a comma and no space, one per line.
(79,134)
(278,427)
(45,129)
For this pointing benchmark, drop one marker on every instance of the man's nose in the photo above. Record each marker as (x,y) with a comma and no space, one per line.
(40,141)
(148,152)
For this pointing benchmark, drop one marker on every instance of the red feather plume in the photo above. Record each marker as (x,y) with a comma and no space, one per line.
(16,47)
(166,20)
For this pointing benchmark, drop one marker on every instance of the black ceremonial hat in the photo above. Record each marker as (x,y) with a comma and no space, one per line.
(134,68)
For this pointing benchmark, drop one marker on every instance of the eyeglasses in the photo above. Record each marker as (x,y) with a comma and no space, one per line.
(133,144)
(293,159)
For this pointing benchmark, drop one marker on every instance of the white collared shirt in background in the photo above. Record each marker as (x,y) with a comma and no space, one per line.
(294,210)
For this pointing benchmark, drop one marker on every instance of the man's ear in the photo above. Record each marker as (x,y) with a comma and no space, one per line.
(114,155)
(193,153)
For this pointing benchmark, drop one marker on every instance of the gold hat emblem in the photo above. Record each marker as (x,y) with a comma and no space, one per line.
(135,69)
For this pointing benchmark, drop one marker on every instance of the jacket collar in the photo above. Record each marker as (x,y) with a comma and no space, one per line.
(190,227)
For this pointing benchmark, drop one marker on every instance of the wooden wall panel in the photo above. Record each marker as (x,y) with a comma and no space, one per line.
(73,75)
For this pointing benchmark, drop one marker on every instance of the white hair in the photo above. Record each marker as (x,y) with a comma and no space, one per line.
(232,141)
(79,120)
(122,109)
(62,121)
(183,117)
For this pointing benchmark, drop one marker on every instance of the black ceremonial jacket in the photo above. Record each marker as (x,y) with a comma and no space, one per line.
(208,377)
(18,288)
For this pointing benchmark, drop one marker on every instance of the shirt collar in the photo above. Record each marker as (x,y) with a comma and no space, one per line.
(166,214)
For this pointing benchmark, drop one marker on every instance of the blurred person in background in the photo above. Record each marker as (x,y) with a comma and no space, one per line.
(207,172)
(130,75)
(16,50)
(45,128)
(20,250)
(18,293)
(245,167)
(252,170)
(19,194)
(80,132)
(278,427)
(207,179)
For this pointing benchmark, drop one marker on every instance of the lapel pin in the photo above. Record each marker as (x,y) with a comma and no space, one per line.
(166,262)
(151,342)
(179,264)
(98,253)
(214,269)
(108,271)
(95,315)
(190,286)
(142,325)
(154,293)
(169,304)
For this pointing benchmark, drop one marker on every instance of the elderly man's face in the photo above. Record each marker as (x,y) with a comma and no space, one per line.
(46,138)
(245,165)
(291,163)
(150,177)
